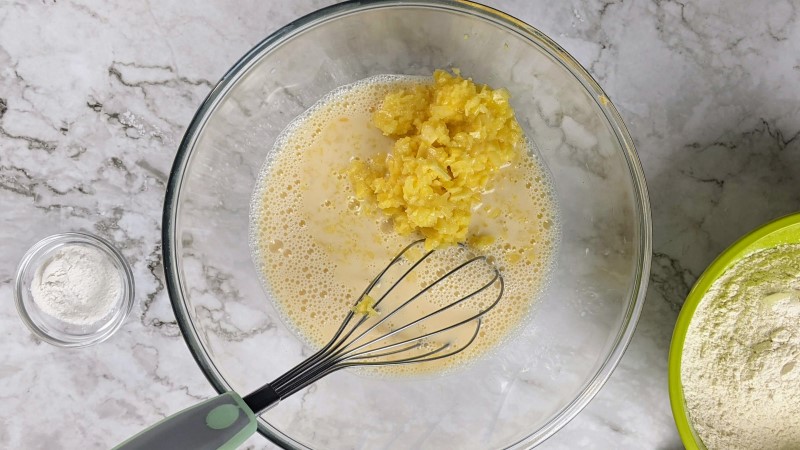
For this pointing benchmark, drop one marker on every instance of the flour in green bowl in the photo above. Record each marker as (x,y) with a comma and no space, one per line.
(740,368)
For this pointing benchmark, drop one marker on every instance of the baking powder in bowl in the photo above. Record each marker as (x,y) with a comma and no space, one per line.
(740,368)
(77,284)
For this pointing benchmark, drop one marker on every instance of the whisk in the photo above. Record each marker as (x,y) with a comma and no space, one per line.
(404,316)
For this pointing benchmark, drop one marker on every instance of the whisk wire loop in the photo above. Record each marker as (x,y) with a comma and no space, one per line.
(362,340)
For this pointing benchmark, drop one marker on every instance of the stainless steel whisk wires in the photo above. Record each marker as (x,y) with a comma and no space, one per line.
(358,341)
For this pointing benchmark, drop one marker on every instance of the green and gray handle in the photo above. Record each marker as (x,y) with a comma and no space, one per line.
(223,422)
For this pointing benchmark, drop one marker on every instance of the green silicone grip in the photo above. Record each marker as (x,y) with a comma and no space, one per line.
(223,422)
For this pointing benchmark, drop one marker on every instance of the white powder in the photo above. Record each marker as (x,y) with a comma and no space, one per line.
(741,359)
(78,284)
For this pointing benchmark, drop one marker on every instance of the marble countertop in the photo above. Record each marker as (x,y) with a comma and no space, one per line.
(95,96)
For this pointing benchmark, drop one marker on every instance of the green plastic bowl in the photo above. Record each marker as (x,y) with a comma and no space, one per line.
(785,230)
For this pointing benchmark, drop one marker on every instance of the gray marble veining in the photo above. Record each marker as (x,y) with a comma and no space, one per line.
(95,96)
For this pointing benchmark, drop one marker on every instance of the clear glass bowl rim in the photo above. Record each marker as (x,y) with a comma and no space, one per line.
(117,319)
(535,37)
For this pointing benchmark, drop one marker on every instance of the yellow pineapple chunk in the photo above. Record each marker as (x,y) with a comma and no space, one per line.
(365,307)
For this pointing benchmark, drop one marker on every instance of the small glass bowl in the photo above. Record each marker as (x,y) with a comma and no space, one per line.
(57,332)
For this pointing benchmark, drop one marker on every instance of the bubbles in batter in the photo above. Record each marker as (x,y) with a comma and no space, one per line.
(317,247)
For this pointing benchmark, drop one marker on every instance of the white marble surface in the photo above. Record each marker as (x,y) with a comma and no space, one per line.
(95,96)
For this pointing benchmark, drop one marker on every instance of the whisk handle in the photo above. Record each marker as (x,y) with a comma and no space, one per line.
(220,423)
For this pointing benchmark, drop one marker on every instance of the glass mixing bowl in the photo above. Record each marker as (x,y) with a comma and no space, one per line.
(513,398)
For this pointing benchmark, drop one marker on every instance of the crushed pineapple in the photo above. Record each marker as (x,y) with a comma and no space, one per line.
(452,137)
(365,307)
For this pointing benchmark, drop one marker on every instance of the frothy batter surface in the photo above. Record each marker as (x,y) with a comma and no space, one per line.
(317,247)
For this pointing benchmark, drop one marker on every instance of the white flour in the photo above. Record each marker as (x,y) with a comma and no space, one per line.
(741,359)
(78,284)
